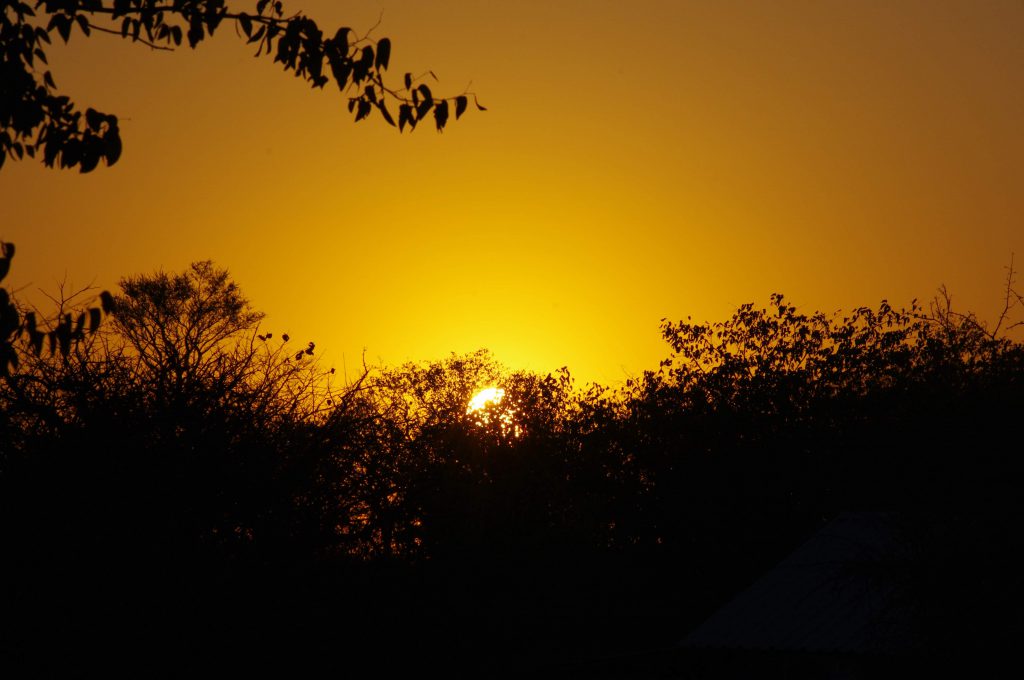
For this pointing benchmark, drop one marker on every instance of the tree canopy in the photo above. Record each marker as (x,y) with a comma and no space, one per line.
(178,323)
(37,120)
(181,458)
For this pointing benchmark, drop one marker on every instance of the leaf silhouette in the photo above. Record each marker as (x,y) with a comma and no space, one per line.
(384,112)
(364,110)
(441,115)
(405,117)
(383,53)
(107,302)
(423,108)
(94,118)
(246,23)
(112,147)
(35,341)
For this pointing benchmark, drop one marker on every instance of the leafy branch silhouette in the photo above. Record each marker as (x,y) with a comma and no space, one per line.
(35,119)
(68,328)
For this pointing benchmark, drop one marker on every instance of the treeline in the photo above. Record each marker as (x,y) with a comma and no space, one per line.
(178,480)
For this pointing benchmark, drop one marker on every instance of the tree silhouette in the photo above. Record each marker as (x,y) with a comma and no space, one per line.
(180,325)
(183,458)
(183,405)
(68,328)
(10,321)
(36,119)
(416,475)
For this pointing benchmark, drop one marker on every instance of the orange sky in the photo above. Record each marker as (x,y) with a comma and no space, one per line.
(638,160)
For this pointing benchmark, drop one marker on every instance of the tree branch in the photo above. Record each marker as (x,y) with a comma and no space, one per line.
(141,40)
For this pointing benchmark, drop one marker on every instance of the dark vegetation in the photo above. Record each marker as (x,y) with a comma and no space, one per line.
(178,484)
(36,119)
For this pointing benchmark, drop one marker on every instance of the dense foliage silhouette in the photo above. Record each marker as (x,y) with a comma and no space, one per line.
(36,119)
(197,483)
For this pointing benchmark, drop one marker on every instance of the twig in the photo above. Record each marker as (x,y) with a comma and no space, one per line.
(141,40)
(1008,300)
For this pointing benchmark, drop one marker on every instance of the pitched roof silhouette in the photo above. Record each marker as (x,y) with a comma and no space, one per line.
(836,593)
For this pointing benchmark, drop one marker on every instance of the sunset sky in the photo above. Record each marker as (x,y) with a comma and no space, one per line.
(637,161)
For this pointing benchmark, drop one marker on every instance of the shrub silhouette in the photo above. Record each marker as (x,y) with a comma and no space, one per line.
(182,456)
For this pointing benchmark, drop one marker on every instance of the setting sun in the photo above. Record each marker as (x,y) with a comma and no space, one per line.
(488,395)
(492,396)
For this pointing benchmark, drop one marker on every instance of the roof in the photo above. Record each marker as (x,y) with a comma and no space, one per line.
(834,594)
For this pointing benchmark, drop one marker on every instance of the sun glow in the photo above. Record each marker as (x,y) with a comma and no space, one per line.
(488,398)
(488,395)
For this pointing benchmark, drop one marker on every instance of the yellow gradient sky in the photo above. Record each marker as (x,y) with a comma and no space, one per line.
(638,160)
